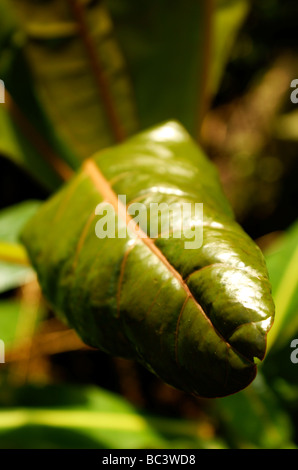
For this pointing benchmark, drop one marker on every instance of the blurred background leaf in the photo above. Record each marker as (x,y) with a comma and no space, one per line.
(78,72)
(254,418)
(27,136)
(14,266)
(72,417)
(15,146)
(282,263)
(95,72)
(279,370)
(176,53)
(228,19)
(9,314)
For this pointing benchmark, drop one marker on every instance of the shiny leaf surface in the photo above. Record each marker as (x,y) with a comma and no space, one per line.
(195,317)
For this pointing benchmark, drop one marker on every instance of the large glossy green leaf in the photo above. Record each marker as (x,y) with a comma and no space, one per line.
(79,72)
(72,417)
(196,317)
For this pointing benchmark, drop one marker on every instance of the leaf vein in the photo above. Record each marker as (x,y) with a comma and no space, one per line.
(102,185)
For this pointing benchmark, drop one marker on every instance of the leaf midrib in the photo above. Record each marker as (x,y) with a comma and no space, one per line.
(103,187)
(78,12)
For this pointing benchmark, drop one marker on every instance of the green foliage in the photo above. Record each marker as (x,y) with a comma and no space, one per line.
(72,417)
(79,73)
(26,134)
(9,316)
(157,299)
(254,418)
(93,74)
(13,272)
(81,76)
(282,262)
